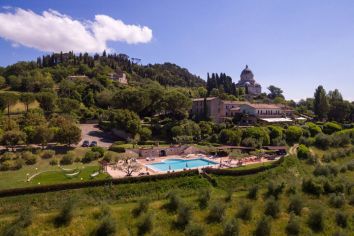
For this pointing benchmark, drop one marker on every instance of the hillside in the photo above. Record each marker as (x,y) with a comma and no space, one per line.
(65,64)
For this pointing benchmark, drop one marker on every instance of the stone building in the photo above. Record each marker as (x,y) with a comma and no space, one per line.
(248,82)
(119,76)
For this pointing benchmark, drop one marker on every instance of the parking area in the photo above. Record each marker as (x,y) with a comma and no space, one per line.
(91,132)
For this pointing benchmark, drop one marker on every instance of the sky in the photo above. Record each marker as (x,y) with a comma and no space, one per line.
(294,45)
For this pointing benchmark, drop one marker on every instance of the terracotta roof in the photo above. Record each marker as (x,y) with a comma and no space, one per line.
(263,106)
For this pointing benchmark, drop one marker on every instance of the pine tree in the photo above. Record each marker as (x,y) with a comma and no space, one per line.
(321,105)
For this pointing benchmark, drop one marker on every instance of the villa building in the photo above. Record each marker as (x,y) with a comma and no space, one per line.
(220,110)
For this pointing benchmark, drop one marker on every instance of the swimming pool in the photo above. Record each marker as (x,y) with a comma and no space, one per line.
(179,164)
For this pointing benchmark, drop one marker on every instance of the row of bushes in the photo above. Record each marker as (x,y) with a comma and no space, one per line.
(244,172)
(93,183)
(325,141)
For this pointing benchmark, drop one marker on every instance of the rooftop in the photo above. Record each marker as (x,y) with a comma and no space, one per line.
(202,99)
(263,106)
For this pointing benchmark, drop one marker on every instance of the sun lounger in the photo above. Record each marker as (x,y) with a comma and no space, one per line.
(94,174)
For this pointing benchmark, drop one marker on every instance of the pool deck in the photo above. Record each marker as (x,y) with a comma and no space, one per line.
(222,162)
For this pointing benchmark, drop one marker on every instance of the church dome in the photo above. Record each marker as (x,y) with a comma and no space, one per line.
(246,71)
(247,75)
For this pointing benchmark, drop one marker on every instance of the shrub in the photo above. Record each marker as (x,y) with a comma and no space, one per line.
(53,162)
(47,154)
(316,220)
(216,213)
(252,192)
(116,148)
(194,230)
(350,166)
(295,205)
(340,140)
(143,206)
(331,187)
(272,208)
(145,224)
(29,158)
(67,159)
(331,127)
(313,128)
(303,152)
(323,141)
(173,202)
(341,219)
(204,198)
(263,227)
(99,150)
(228,196)
(184,214)
(245,212)
(90,156)
(293,226)
(107,227)
(5,166)
(343,169)
(337,200)
(351,200)
(275,189)
(8,156)
(17,164)
(307,141)
(327,157)
(231,228)
(251,142)
(312,186)
(25,218)
(293,134)
(66,214)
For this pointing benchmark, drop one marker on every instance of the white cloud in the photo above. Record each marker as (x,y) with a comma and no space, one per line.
(55,32)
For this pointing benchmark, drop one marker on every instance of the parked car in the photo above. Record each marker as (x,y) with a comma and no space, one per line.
(86,143)
(93,144)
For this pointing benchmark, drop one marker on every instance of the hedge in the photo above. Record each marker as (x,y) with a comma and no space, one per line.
(244,172)
(93,183)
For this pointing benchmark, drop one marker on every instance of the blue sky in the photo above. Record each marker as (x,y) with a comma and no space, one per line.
(296,45)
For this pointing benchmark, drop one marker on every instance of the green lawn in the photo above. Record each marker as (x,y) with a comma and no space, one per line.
(18,178)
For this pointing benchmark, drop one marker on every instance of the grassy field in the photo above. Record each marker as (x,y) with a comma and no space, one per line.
(51,174)
(122,199)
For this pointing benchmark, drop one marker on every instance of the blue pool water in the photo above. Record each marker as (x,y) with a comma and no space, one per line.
(178,164)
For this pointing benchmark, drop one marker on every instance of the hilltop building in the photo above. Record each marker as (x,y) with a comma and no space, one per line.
(248,82)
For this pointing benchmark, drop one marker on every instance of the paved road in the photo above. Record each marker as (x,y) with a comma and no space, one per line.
(91,132)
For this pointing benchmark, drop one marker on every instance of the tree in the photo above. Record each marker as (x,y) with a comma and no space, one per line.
(46,101)
(8,99)
(43,135)
(68,105)
(321,105)
(177,104)
(12,138)
(129,167)
(27,99)
(125,120)
(68,133)
(275,92)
